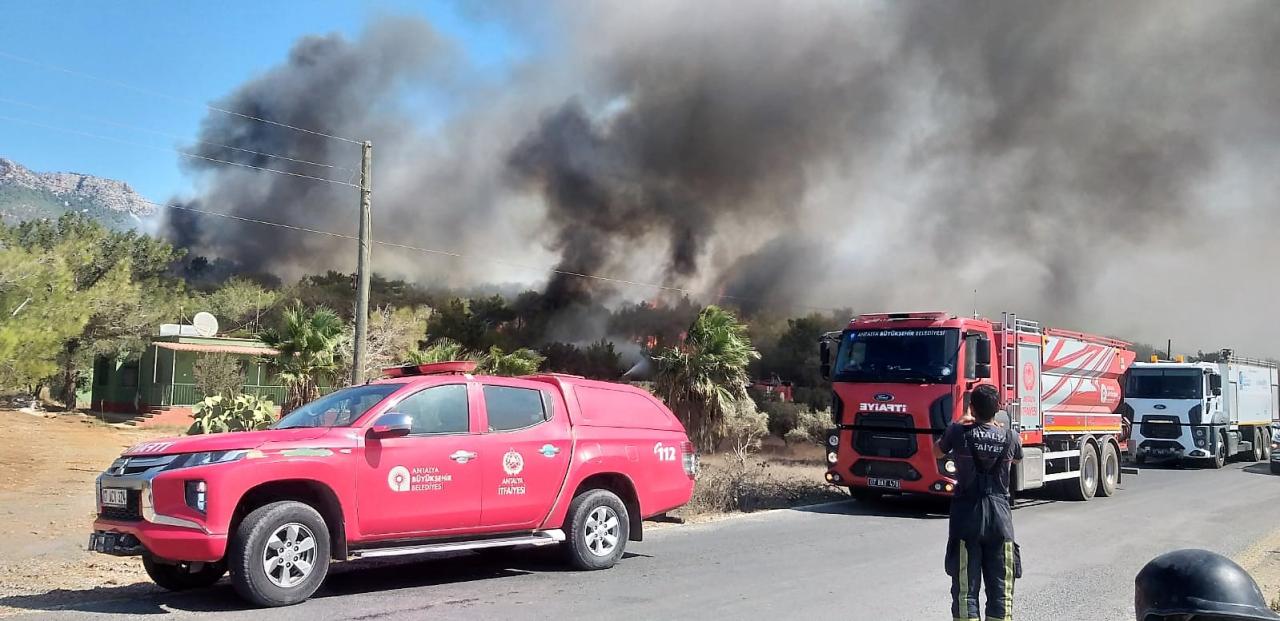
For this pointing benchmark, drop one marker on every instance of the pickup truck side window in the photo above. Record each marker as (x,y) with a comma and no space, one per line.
(513,408)
(439,409)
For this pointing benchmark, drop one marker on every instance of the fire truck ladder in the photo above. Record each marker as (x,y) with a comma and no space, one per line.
(1011,326)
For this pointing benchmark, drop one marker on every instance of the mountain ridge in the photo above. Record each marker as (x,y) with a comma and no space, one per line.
(26,194)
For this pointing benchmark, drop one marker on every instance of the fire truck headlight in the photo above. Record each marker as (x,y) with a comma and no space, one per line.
(832,457)
(949,466)
(833,440)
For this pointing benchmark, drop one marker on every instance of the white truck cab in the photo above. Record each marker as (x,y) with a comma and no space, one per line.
(1210,411)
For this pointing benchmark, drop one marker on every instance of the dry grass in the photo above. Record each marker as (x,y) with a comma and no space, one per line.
(778,477)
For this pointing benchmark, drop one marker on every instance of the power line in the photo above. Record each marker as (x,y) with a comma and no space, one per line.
(178,151)
(94,119)
(458,255)
(145,91)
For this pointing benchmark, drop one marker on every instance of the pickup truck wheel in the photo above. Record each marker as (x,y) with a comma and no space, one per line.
(597,530)
(279,554)
(1110,471)
(1275,468)
(180,576)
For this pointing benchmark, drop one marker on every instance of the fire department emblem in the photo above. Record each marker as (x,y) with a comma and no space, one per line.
(1029,376)
(398,479)
(512,463)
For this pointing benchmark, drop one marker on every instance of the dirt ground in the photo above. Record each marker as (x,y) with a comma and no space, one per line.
(47,469)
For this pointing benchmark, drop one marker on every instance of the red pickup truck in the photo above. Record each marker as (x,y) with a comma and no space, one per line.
(430,459)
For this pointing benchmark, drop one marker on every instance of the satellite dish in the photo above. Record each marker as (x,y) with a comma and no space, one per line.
(205,324)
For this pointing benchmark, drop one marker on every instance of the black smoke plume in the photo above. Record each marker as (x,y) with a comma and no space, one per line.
(1076,162)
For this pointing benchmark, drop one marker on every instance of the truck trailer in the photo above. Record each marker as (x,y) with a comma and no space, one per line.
(1202,411)
(899,379)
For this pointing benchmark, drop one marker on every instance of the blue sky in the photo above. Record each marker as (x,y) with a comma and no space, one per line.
(196,51)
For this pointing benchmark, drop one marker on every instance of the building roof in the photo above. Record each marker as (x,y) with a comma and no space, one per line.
(219,348)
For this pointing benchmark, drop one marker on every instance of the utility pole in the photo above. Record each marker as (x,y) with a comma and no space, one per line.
(362,265)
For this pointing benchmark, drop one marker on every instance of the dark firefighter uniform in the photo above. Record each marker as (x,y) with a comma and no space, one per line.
(980,546)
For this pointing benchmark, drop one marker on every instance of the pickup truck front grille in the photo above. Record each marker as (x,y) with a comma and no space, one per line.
(127,466)
(131,512)
(1165,427)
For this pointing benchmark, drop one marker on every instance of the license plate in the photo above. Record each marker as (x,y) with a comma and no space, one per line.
(889,483)
(113,497)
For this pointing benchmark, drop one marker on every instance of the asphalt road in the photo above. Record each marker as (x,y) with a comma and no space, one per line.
(843,560)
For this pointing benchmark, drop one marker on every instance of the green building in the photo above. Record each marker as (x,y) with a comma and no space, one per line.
(163,375)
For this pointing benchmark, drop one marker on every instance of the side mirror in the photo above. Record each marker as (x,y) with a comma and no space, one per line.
(1215,384)
(982,370)
(983,356)
(824,356)
(391,425)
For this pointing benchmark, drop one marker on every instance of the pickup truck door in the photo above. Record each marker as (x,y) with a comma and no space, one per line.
(527,447)
(427,482)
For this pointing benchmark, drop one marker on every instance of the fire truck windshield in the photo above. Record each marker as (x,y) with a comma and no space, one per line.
(1164,384)
(916,356)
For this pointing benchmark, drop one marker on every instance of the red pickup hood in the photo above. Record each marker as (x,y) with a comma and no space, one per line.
(224,441)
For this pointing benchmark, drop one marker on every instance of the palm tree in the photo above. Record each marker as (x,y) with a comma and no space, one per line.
(703,377)
(440,350)
(308,342)
(496,362)
(519,362)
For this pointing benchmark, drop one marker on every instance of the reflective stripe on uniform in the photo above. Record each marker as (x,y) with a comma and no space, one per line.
(1007,596)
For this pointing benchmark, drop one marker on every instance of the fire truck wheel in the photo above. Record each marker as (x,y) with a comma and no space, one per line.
(279,554)
(1110,471)
(597,530)
(1084,486)
(181,576)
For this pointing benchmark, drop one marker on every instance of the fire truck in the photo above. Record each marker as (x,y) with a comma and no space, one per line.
(898,380)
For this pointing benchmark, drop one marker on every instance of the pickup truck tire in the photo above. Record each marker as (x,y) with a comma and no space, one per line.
(597,530)
(1275,468)
(1109,471)
(179,577)
(279,555)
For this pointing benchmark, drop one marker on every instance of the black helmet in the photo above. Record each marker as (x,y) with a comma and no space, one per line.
(1190,584)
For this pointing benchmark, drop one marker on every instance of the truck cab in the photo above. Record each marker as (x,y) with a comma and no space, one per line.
(432,458)
(898,381)
(1205,411)
(1173,405)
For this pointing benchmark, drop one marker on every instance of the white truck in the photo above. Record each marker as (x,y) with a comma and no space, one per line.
(1205,411)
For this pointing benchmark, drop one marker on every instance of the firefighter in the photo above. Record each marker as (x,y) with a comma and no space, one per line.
(1195,585)
(980,544)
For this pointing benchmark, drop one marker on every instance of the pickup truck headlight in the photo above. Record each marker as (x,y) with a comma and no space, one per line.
(207,458)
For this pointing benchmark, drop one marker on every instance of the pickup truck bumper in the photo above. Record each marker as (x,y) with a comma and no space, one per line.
(167,542)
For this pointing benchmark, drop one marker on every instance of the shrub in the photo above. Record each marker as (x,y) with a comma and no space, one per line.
(744,428)
(783,416)
(810,426)
(218,374)
(218,414)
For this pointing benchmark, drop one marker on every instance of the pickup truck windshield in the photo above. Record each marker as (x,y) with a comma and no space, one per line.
(916,356)
(1164,384)
(337,409)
